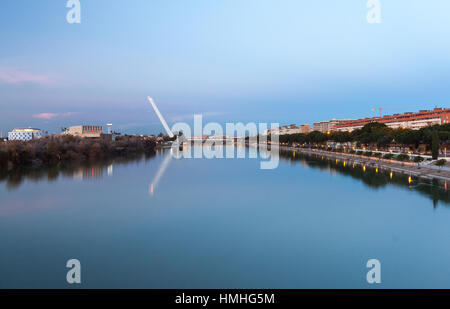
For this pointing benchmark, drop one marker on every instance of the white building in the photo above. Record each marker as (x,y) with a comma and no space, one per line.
(24,134)
(328,126)
(86,131)
(287,130)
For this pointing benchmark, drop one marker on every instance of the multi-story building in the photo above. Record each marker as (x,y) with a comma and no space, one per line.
(320,126)
(24,134)
(291,129)
(86,131)
(327,126)
(305,129)
(412,121)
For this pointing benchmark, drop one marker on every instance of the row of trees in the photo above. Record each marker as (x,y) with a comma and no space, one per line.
(380,136)
(54,149)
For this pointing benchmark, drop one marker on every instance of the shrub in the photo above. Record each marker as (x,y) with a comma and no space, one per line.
(402,157)
(3,157)
(418,159)
(95,151)
(377,154)
(359,153)
(352,151)
(52,150)
(368,153)
(388,156)
(435,145)
(440,162)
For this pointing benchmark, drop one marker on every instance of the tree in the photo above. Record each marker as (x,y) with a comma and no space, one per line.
(435,145)
(340,137)
(402,157)
(384,141)
(373,132)
(3,157)
(95,151)
(316,137)
(418,159)
(388,156)
(441,162)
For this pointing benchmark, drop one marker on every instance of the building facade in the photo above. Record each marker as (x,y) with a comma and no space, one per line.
(305,129)
(414,121)
(328,126)
(291,129)
(27,134)
(286,130)
(86,131)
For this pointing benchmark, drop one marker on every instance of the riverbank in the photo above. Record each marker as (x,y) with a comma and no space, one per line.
(407,168)
(56,150)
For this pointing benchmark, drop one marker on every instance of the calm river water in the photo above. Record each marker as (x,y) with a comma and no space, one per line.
(158,222)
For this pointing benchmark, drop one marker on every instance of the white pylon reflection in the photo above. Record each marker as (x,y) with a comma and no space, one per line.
(160,172)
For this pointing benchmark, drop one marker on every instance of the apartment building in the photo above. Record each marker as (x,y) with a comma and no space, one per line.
(414,121)
(328,126)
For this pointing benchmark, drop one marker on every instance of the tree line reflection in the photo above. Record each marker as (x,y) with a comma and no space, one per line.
(373,176)
(80,171)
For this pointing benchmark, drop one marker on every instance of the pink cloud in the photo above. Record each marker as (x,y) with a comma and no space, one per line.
(45,115)
(48,116)
(13,76)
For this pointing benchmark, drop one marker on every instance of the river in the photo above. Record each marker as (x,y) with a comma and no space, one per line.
(159,222)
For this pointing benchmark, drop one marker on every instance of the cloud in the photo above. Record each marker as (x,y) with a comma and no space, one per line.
(13,76)
(48,116)
(45,115)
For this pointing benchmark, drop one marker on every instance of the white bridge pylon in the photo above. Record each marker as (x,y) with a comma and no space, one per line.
(161,118)
(160,173)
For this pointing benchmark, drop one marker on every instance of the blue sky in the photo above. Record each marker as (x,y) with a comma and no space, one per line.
(287,61)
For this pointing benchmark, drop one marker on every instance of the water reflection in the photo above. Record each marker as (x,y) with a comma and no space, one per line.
(110,169)
(161,170)
(88,172)
(374,177)
(79,171)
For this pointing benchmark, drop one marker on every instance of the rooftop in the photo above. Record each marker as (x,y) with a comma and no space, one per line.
(26,130)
